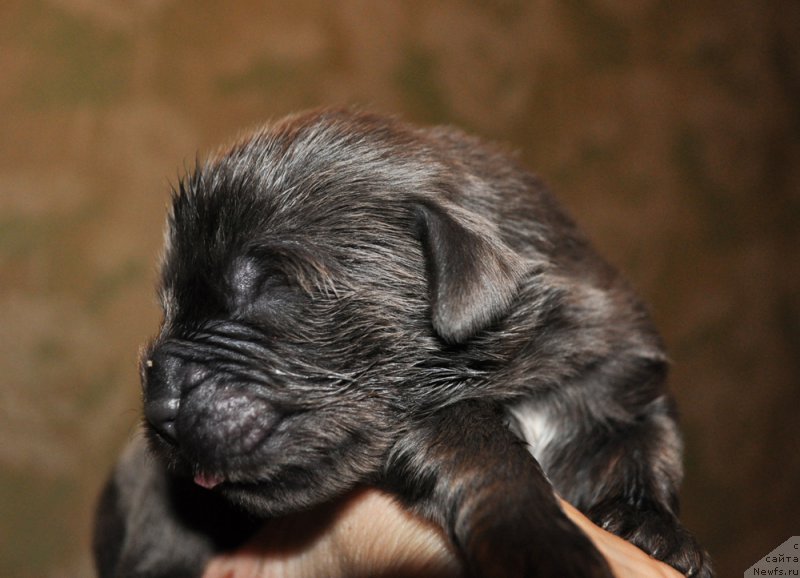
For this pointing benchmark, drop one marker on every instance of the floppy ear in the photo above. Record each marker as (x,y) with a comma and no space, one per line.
(472,274)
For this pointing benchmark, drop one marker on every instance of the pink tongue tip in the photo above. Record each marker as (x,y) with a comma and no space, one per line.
(207,481)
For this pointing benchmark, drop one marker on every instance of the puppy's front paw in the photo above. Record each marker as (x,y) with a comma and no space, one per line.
(657,532)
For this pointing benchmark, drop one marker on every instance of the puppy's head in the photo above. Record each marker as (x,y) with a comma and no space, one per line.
(320,281)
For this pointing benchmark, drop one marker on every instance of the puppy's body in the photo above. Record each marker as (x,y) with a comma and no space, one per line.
(349,300)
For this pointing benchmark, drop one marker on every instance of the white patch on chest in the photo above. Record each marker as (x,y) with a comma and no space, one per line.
(533,423)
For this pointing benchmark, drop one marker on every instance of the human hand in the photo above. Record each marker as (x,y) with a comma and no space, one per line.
(368,534)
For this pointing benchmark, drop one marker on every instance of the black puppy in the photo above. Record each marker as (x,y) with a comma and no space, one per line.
(348,300)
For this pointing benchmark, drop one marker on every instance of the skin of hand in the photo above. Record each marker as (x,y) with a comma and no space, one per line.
(369,535)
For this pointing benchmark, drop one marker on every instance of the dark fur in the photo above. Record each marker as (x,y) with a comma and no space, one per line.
(349,300)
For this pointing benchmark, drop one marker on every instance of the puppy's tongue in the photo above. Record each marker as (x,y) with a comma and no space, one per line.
(208,481)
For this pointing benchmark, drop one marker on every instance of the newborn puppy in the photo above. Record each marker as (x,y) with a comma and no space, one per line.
(349,300)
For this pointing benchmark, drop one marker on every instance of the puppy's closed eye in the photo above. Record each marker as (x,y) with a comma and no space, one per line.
(260,292)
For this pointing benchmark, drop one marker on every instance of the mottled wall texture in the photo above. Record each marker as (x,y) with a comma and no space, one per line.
(671,129)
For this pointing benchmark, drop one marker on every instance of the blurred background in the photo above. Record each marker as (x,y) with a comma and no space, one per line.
(670,129)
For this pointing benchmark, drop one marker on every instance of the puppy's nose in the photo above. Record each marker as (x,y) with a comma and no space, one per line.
(167,376)
(161,415)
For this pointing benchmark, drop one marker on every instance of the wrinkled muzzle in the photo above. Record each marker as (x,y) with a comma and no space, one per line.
(204,406)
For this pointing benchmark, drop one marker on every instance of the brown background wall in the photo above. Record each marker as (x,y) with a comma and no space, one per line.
(670,128)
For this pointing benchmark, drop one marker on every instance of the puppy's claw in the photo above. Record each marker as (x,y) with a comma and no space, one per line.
(657,532)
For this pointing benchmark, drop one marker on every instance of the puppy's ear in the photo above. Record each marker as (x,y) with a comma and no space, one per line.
(473,275)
